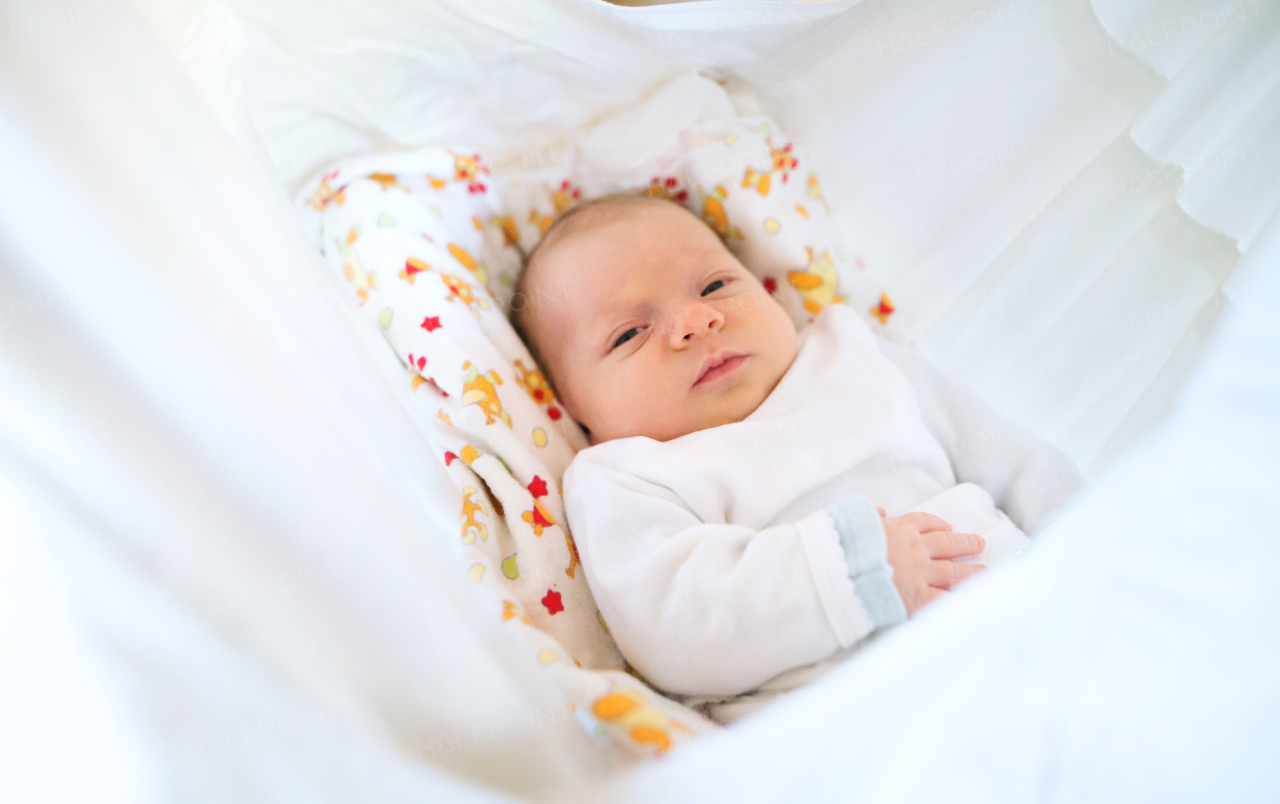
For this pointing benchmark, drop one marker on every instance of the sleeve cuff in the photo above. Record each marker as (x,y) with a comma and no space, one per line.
(862,538)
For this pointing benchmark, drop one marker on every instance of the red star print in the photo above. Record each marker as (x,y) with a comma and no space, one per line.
(431,322)
(554,413)
(770,284)
(417,362)
(552,602)
(449,458)
(538,488)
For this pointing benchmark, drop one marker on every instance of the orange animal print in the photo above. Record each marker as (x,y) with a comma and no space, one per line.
(478,389)
(780,161)
(511,609)
(468,169)
(385,180)
(470,527)
(760,181)
(534,382)
(459,290)
(324,192)
(815,191)
(543,222)
(352,268)
(574,561)
(507,224)
(713,215)
(817,282)
(632,712)
(476,268)
(783,161)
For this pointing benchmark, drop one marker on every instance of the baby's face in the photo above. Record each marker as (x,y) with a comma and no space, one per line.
(650,327)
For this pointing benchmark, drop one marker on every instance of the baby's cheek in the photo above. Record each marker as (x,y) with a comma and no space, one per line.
(626,394)
(747,303)
(727,305)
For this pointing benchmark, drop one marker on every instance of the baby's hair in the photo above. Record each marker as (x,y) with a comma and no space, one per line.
(582,216)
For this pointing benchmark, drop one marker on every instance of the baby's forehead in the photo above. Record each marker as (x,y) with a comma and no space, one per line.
(570,285)
(589,271)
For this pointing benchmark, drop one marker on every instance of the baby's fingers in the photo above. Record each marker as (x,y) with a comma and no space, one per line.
(946,574)
(949,544)
(925,523)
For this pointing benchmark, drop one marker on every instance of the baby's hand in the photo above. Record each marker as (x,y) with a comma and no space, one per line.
(921,547)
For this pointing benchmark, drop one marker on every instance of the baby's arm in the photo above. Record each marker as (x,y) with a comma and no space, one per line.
(717,609)
(1027,477)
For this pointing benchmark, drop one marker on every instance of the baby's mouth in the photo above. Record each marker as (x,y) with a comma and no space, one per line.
(719,366)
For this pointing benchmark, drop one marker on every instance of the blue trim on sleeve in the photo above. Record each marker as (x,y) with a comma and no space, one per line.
(881,597)
(866,552)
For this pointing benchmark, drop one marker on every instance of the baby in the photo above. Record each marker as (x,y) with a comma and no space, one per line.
(757,502)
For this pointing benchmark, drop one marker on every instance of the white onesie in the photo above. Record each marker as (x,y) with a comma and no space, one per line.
(738,562)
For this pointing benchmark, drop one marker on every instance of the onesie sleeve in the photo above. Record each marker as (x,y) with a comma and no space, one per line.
(1027,477)
(718,609)
(866,553)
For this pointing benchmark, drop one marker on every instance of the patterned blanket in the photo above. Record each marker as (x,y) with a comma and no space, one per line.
(431,244)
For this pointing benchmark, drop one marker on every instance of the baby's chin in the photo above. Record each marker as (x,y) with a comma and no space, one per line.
(680,417)
(696,420)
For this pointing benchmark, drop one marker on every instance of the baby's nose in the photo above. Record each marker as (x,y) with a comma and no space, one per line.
(695,319)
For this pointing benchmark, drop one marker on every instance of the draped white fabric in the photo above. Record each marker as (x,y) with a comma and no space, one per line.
(247,516)
(1053,215)
(244,509)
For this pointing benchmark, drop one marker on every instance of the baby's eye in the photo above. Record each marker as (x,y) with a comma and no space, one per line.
(626,336)
(713,287)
